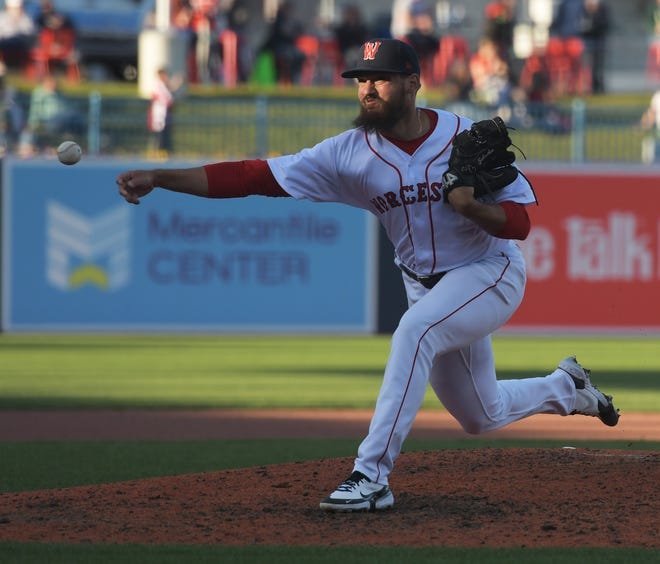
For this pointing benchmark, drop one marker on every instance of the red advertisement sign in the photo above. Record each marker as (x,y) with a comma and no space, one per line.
(593,255)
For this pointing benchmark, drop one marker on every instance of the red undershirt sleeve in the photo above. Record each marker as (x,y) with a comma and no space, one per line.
(254,177)
(517,224)
(242,178)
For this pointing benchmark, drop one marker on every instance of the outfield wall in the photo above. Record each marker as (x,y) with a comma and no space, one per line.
(76,257)
(593,254)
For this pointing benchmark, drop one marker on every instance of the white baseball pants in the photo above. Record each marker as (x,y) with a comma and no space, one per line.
(444,339)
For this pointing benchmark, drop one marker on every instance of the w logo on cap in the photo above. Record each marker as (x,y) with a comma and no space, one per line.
(370,50)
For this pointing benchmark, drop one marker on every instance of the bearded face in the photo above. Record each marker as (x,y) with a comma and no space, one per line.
(377,113)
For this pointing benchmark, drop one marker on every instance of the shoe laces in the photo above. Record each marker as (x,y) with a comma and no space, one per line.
(352,482)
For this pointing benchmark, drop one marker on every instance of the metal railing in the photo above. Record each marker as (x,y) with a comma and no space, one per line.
(245,126)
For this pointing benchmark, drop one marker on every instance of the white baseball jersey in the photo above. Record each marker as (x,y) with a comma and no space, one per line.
(402,190)
(444,336)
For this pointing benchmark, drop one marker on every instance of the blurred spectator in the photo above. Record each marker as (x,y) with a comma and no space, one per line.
(654,19)
(182,18)
(457,89)
(203,25)
(422,36)
(351,33)
(159,118)
(400,22)
(50,17)
(540,109)
(650,122)
(51,117)
(458,85)
(56,42)
(17,34)
(567,18)
(11,115)
(380,25)
(281,42)
(491,77)
(653,54)
(500,23)
(594,28)
(535,77)
(238,19)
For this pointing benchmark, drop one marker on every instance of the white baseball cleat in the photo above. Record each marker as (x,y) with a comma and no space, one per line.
(358,493)
(589,399)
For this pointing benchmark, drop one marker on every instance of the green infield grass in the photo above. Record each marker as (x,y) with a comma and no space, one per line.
(15,553)
(37,465)
(59,371)
(199,371)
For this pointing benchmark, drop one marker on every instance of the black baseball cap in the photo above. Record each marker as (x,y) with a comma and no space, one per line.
(385,55)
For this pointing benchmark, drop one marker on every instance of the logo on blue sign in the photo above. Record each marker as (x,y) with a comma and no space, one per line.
(87,251)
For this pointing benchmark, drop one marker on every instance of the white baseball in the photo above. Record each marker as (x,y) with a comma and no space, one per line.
(69,152)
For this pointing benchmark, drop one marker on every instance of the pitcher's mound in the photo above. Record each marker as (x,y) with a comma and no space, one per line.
(485,497)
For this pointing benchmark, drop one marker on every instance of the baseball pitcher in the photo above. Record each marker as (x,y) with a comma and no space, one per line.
(453,202)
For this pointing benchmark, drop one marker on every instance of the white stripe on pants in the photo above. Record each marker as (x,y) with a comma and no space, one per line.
(444,338)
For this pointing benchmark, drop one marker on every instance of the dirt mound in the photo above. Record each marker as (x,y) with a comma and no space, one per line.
(484,497)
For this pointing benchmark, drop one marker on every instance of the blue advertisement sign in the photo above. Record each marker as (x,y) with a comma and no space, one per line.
(76,256)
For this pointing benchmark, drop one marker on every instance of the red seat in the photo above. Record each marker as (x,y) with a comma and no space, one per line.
(229,41)
(452,48)
(555,48)
(330,57)
(568,73)
(653,62)
(574,47)
(55,46)
(309,46)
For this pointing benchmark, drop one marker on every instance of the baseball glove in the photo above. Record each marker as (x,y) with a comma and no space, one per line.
(480,158)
